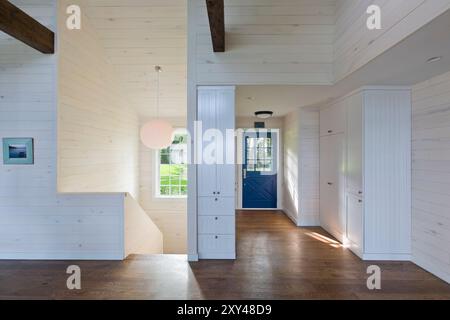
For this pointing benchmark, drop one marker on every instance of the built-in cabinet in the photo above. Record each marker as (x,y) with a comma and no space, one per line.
(332,184)
(216,173)
(369,210)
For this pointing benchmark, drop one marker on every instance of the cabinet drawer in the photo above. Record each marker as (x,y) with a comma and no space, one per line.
(216,225)
(216,206)
(216,244)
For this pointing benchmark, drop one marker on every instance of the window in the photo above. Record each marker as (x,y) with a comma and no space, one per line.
(259,154)
(172,168)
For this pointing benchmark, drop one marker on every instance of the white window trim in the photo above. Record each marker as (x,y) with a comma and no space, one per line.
(157,193)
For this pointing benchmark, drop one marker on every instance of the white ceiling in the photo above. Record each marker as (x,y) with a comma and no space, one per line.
(137,35)
(404,64)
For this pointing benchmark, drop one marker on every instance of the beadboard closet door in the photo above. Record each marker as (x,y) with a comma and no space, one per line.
(355,145)
(207,117)
(225,120)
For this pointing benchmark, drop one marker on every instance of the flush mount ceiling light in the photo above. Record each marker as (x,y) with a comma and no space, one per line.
(264,114)
(157,133)
(434,59)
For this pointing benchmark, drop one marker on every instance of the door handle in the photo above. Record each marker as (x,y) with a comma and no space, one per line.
(330,183)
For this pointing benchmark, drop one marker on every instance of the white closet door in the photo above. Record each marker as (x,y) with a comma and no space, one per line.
(325,122)
(225,113)
(332,196)
(339,162)
(326,185)
(354,145)
(355,222)
(338,117)
(206,172)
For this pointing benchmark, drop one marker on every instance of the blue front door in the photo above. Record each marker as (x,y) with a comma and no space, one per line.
(259,174)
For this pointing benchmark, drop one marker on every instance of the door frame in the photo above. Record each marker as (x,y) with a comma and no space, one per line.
(239,168)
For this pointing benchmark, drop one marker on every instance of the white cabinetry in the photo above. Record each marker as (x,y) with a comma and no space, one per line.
(215,175)
(376,197)
(332,162)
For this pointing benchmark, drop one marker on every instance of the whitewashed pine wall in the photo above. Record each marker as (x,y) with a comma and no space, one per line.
(168,214)
(36,222)
(355,45)
(98,129)
(431,175)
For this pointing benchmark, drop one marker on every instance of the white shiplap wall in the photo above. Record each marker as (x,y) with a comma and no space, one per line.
(170,215)
(301,167)
(431,175)
(98,129)
(355,45)
(267,42)
(309,168)
(36,222)
(291,151)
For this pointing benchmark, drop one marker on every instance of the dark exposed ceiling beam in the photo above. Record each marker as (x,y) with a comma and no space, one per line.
(216,15)
(21,26)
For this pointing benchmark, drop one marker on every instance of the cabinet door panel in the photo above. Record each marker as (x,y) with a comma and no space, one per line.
(338,170)
(338,117)
(226,180)
(325,122)
(354,146)
(325,180)
(332,178)
(225,115)
(206,175)
(355,222)
(206,172)
(333,119)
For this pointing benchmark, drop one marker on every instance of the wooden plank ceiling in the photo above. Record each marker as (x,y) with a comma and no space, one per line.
(139,34)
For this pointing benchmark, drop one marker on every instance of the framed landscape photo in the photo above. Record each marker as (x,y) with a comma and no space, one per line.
(18,151)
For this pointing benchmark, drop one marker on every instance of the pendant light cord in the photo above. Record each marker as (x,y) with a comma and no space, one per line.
(158,71)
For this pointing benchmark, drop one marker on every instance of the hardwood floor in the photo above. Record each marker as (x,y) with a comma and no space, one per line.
(276,260)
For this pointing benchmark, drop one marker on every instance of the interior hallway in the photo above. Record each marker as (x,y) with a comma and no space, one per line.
(276,260)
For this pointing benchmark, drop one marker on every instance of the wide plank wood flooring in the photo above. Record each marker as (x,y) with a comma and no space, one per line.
(276,260)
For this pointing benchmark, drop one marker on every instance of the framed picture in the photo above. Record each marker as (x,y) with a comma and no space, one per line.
(18,151)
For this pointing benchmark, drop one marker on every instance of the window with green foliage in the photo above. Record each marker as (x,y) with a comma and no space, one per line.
(172,181)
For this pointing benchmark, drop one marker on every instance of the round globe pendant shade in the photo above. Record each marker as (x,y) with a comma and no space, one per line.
(157,134)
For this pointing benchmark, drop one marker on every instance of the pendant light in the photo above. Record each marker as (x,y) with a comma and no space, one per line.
(157,133)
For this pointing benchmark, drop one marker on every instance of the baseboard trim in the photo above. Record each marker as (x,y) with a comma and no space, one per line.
(217,256)
(309,221)
(386,257)
(431,269)
(63,256)
(192,257)
(290,216)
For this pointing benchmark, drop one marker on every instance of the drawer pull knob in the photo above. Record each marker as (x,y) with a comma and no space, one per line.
(360,201)
(330,131)
(330,183)
(214,192)
(217,237)
(216,199)
(360,192)
(216,218)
